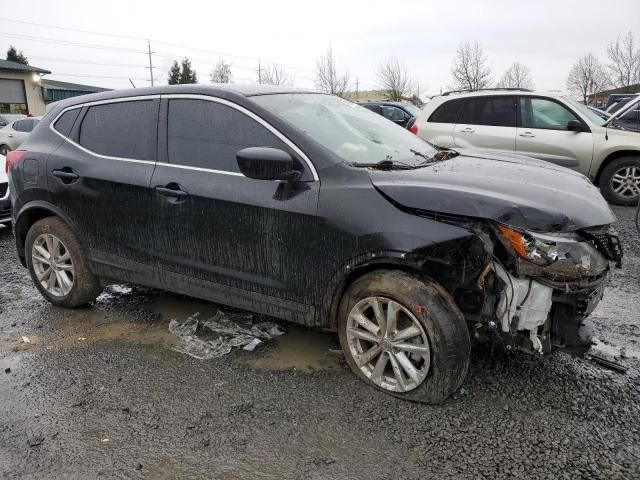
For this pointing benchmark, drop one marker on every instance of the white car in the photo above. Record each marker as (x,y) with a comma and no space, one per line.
(15,133)
(546,126)
(5,202)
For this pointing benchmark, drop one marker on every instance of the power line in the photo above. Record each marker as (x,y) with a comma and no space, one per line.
(73,44)
(78,61)
(129,37)
(97,76)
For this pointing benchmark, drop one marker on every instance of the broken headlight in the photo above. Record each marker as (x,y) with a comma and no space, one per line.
(540,249)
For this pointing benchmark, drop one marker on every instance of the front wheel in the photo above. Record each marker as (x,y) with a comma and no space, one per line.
(620,181)
(404,335)
(4,150)
(58,266)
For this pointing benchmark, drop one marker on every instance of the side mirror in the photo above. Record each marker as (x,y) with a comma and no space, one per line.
(574,126)
(266,163)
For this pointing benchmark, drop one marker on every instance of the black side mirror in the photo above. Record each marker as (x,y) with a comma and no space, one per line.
(266,163)
(575,126)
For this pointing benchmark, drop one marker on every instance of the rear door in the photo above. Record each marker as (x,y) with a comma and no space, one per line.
(543,134)
(220,226)
(441,124)
(396,115)
(99,177)
(487,124)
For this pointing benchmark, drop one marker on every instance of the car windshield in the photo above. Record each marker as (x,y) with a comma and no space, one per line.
(584,110)
(353,133)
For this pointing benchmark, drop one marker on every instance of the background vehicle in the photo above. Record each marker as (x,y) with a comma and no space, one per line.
(7,118)
(5,201)
(15,133)
(546,126)
(601,113)
(614,99)
(222,189)
(403,114)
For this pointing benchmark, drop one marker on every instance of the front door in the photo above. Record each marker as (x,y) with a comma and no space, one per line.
(214,224)
(543,134)
(487,124)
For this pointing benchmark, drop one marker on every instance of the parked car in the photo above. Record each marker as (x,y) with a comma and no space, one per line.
(601,113)
(15,133)
(541,125)
(306,207)
(616,98)
(5,201)
(401,113)
(7,118)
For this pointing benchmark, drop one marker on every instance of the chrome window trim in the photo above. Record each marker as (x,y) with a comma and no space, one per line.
(170,96)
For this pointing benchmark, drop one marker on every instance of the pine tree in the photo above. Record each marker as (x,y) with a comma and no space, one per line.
(15,55)
(174,73)
(188,74)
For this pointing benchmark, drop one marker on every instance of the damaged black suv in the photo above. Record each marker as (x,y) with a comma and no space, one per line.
(312,209)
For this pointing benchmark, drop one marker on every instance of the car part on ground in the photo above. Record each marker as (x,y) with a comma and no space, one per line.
(325,214)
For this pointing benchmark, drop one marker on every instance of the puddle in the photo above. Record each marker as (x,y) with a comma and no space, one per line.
(170,307)
(301,349)
(614,351)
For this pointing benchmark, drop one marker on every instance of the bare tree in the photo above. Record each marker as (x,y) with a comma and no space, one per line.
(587,76)
(624,60)
(516,76)
(274,74)
(221,73)
(393,77)
(470,69)
(327,77)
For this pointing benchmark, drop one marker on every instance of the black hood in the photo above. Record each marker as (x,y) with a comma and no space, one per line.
(510,189)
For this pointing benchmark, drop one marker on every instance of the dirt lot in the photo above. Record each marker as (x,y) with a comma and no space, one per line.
(100,392)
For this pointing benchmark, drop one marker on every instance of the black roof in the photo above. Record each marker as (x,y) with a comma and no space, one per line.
(19,67)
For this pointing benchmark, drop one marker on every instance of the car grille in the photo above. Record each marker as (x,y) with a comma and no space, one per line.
(3,189)
(607,243)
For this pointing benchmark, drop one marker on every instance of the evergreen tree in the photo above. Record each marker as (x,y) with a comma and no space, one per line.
(174,74)
(15,55)
(188,74)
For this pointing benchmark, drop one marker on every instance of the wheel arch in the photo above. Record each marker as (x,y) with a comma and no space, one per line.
(610,158)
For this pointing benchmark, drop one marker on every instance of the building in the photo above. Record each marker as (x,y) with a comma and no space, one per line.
(53,90)
(20,90)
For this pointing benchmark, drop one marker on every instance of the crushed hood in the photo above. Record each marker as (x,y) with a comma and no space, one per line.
(510,189)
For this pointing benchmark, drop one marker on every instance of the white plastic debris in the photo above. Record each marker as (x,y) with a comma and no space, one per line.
(25,339)
(249,347)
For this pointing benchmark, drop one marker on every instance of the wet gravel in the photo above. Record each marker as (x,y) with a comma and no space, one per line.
(99,392)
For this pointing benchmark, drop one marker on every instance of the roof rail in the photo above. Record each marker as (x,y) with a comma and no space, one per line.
(464,90)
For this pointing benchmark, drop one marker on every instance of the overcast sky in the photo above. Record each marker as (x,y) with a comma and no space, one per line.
(547,36)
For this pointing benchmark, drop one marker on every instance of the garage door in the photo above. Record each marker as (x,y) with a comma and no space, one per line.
(12,91)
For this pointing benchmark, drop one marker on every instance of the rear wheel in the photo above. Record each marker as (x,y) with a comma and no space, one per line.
(620,181)
(4,150)
(404,335)
(58,265)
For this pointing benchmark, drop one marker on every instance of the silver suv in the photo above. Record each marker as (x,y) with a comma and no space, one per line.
(547,126)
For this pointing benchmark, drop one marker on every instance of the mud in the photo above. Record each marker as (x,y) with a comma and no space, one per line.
(100,393)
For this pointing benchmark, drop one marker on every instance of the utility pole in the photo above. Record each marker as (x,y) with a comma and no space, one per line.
(150,62)
(259,72)
(357,88)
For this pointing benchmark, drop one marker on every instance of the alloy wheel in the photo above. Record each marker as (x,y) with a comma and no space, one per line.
(52,265)
(626,182)
(388,344)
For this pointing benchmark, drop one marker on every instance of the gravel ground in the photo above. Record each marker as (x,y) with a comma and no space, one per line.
(100,392)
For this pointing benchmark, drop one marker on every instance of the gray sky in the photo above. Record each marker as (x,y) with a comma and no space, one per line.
(547,36)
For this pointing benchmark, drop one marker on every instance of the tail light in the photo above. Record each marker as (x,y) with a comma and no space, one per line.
(414,129)
(14,159)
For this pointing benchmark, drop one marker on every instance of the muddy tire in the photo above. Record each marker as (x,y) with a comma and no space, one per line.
(422,355)
(58,264)
(620,181)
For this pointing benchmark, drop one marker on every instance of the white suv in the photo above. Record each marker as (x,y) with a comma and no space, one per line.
(550,127)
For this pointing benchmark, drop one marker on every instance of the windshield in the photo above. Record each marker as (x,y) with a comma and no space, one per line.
(584,110)
(415,111)
(353,133)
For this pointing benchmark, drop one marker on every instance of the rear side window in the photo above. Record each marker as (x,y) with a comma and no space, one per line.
(125,129)
(207,134)
(25,125)
(64,124)
(448,112)
(491,111)
(393,113)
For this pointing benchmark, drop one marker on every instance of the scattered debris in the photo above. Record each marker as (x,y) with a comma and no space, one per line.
(610,364)
(7,370)
(25,339)
(35,441)
(81,339)
(139,466)
(223,332)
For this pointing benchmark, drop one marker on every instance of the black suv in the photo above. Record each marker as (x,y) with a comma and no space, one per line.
(403,114)
(309,208)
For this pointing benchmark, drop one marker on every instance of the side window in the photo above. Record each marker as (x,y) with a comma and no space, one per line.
(393,113)
(64,124)
(448,112)
(545,114)
(207,134)
(492,111)
(123,129)
(25,125)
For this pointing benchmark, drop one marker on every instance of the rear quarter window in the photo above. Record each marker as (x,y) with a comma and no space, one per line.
(64,124)
(25,125)
(448,112)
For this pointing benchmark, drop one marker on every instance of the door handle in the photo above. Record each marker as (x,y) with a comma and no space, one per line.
(66,175)
(467,130)
(528,134)
(171,192)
